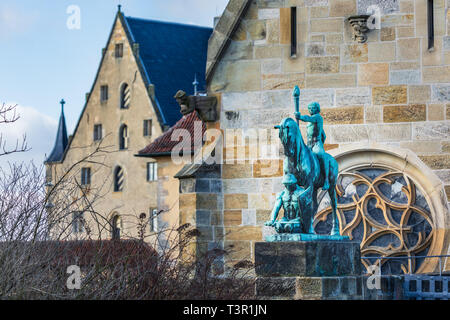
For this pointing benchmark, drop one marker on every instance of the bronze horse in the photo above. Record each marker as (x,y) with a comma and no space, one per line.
(304,165)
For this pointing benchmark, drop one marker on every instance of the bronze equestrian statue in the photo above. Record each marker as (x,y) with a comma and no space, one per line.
(311,167)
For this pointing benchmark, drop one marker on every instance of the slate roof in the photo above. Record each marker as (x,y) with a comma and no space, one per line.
(163,145)
(173,55)
(61,141)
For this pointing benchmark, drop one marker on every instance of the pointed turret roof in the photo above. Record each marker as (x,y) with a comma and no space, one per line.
(61,139)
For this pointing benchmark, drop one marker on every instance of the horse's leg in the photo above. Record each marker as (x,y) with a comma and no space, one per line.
(326,169)
(333,197)
(314,206)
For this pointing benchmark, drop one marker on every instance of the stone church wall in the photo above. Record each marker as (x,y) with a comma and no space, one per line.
(389,92)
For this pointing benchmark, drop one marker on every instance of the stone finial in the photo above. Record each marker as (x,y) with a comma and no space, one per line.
(359,27)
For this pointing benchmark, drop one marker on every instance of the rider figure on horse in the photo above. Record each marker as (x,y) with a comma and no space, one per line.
(316,137)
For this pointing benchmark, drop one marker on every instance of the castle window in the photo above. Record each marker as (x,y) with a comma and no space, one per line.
(153,220)
(85,176)
(97,132)
(119,50)
(293,32)
(152,171)
(103,93)
(125,96)
(116,226)
(147,128)
(77,222)
(118,179)
(123,137)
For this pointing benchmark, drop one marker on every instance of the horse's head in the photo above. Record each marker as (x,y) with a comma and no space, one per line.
(289,133)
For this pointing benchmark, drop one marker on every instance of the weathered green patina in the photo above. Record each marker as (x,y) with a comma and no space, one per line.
(307,168)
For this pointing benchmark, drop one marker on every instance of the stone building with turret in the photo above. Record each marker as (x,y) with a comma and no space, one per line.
(380,71)
(129,106)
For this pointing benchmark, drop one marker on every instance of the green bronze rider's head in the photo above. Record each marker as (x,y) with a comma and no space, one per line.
(314,108)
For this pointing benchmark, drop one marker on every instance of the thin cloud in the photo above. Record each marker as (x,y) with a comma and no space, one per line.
(15,21)
(40,131)
(203,11)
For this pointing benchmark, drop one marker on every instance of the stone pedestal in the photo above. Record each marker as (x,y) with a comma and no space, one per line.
(308,270)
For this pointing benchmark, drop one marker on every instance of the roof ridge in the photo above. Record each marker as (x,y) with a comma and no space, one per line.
(223,33)
(169,22)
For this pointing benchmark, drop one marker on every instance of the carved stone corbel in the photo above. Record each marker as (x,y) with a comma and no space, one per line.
(359,27)
(205,106)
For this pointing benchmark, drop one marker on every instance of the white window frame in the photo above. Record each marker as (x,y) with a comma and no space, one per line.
(153,220)
(152,171)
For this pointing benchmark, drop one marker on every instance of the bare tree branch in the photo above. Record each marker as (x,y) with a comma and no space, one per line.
(8,115)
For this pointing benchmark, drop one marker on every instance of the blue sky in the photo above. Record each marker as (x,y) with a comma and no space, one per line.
(42,60)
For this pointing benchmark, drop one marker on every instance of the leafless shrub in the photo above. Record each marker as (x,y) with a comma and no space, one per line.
(8,115)
(37,247)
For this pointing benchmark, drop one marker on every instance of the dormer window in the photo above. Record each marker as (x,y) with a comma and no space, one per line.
(125,96)
(119,50)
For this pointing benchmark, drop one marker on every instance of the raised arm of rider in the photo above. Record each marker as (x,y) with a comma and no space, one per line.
(306,118)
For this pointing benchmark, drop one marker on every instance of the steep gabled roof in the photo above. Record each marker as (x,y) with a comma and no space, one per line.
(172,55)
(61,139)
(164,144)
(186,45)
(223,32)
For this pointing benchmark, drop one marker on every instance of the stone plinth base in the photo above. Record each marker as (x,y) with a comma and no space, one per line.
(308,270)
(307,259)
(310,288)
(328,288)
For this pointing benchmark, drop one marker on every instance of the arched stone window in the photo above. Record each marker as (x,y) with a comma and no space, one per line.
(116,227)
(118,179)
(123,137)
(125,96)
(391,205)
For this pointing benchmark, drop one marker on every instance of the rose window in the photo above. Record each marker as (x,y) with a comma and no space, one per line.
(387,212)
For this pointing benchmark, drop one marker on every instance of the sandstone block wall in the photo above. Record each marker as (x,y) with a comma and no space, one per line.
(138,195)
(390,90)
